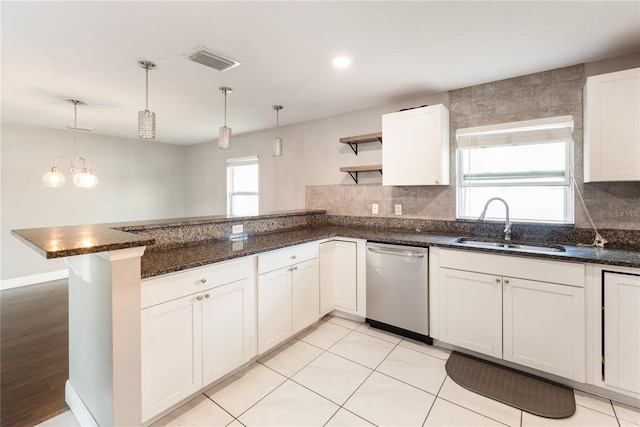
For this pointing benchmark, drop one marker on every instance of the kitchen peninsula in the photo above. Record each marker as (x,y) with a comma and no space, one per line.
(107,263)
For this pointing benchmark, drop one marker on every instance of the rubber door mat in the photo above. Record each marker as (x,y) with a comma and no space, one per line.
(518,389)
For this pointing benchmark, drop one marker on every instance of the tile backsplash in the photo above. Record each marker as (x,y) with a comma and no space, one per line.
(612,205)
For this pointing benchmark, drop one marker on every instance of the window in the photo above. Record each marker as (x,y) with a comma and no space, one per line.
(528,164)
(242,186)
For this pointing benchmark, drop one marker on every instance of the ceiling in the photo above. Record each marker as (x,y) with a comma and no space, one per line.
(89,50)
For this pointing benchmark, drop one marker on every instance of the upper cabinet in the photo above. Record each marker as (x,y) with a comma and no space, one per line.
(416,146)
(612,127)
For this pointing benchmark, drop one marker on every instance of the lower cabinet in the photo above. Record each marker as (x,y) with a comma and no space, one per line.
(534,323)
(544,326)
(621,324)
(342,280)
(171,353)
(288,293)
(472,310)
(191,341)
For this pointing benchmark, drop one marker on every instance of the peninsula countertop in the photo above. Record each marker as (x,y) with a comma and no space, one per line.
(57,242)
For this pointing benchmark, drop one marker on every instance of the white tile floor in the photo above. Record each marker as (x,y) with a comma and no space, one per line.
(342,373)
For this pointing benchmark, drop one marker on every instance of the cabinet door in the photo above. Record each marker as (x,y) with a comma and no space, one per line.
(274,308)
(305,285)
(346,283)
(612,127)
(171,353)
(415,149)
(544,327)
(227,329)
(327,273)
(622,331)
(471,311)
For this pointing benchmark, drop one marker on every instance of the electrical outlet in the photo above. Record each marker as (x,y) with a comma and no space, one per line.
(235,229)
(398,209)
(374,209)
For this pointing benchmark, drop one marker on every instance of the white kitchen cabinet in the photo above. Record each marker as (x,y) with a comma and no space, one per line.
(327,277)
(342,276)
(228,332)
(274,308)
(622,331)
(510,308)
(171,353)
(288,293)
(612,127)
(543,326)
(192,340)
(415,150)
(305,292)
(472,308)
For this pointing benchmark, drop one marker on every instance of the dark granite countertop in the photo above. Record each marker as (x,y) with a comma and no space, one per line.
(60,242)
(163,261)
(57,242)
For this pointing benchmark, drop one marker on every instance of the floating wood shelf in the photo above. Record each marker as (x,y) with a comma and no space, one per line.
(353,170)
(353,141)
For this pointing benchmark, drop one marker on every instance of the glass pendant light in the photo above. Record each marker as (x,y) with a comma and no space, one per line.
(146,118)
(82,176)
(224,138)
(277,141)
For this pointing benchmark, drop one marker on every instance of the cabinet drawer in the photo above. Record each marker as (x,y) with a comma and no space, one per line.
(175,285)
(566,273)
(285,257)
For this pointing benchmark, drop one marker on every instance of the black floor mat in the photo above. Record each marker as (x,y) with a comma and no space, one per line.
(514,388)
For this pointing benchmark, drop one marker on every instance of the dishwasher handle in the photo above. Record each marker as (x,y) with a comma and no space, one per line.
(397,252)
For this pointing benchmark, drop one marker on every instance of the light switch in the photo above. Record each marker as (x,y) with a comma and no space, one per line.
(398,209)
(235,229)
(374,209)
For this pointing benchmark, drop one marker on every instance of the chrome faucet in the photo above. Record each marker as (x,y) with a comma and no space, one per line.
(507,226)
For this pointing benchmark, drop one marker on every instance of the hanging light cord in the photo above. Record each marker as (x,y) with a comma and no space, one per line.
(598,241)
(146,99)
(277,123)
(75,121)
(225,108)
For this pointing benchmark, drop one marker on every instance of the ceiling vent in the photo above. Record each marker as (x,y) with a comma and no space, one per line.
(212,59)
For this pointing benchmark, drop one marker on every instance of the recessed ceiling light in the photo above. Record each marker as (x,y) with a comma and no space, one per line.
(341,62)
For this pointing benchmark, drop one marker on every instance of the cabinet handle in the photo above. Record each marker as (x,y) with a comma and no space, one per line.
(199,297)
(293,257)
(295,268)
(203,280)
(290,269)
(206,295)
(498,280)
(506,282)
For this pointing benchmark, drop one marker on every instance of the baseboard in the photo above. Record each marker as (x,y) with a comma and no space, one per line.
(77,406)
(34,279)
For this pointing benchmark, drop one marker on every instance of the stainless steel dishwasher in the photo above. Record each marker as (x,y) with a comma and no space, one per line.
(398,290)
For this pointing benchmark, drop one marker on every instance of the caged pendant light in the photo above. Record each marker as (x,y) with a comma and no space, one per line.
(224,139)
(277,141)
(146,118)
(82,176)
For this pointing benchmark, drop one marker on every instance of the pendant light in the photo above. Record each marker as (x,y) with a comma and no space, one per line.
(82,176)
(147,119)
(277,141)
(224,138)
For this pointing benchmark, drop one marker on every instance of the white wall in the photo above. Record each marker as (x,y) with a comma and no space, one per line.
(139,180)
(312,156)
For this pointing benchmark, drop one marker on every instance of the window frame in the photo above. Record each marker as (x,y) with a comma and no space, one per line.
(236,162)
(524,133)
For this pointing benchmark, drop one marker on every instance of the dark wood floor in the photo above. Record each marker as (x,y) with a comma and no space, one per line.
(34,353)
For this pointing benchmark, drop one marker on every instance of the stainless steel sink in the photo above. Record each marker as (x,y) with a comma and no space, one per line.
(526,247)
